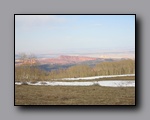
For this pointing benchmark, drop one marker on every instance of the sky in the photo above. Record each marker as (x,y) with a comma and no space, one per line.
(46,34)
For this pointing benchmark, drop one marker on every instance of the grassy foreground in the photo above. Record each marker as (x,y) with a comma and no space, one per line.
(71,95)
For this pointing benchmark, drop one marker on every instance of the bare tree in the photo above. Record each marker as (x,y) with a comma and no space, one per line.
(28,69)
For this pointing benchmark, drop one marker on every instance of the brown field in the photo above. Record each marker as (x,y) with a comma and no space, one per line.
(73,95)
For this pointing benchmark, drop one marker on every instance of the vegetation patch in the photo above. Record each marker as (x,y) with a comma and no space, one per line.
(30,70)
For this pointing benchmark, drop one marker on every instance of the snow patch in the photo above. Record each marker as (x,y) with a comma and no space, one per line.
(115,83)
(95,77)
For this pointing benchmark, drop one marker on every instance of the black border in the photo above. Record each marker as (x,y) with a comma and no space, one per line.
(83,106)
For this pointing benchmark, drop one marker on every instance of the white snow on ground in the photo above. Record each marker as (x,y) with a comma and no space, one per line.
(95,77)
(18,83)
(115,83)
(64,83)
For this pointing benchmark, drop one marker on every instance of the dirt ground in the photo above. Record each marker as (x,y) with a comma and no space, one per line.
(74,95)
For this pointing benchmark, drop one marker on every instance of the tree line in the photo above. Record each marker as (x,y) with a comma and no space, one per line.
(29,70)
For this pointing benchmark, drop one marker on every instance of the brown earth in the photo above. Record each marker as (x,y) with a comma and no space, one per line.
(71,95)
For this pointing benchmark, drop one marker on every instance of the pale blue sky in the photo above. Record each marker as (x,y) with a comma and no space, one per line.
(80,33)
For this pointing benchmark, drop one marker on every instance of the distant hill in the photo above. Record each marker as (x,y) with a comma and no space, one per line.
(62,60)
(66,61)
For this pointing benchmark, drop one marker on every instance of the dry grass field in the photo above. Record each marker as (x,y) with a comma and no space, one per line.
(74,95)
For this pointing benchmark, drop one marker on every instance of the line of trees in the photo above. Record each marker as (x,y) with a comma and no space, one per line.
(29,70)
(115,68)
(103,68)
